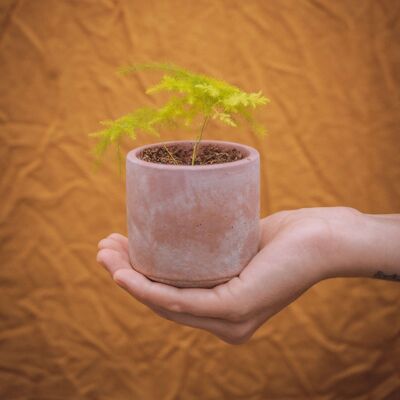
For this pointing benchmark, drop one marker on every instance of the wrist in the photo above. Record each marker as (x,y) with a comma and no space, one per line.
(360,245)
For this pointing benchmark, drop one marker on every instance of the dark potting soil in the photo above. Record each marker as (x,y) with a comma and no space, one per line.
(205,155)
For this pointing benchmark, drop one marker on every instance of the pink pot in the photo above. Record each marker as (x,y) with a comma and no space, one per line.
(193,226)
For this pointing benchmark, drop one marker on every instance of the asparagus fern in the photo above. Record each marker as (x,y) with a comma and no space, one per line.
(192,96)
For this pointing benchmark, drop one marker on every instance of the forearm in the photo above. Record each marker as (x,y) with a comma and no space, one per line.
(366,245)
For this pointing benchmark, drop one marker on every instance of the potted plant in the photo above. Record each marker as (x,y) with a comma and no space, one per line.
(192,206)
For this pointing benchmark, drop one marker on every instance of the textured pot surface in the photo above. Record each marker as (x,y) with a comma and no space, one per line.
(193,226)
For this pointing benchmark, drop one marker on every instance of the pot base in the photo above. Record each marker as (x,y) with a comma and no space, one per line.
(190,284)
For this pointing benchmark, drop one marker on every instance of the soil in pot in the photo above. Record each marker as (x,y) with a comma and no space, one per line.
(182,155)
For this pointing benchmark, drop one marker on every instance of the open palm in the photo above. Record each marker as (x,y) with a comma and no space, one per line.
(291,259)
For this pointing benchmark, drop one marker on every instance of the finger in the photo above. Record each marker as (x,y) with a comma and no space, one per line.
(113,260)
(213,325)
(113,244)
(198,302)
(230,332)
(121,239)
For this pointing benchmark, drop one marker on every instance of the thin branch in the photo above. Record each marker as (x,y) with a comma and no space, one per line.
(206,118)
(170,154)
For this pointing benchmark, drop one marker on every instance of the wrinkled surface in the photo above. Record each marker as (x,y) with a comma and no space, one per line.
(66,331)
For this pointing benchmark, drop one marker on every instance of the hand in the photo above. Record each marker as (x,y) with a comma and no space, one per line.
(296,250)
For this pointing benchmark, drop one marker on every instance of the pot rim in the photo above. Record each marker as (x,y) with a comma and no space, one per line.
(252,155)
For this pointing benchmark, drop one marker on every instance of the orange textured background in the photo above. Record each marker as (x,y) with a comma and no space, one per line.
(332,70)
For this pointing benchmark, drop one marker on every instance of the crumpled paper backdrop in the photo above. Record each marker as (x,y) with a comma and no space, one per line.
(331,70)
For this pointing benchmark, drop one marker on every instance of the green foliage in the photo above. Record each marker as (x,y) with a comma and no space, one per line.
(193,95)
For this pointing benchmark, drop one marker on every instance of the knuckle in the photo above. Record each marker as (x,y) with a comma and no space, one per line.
(241,334)
(238,339)
(240,314)
(174,307)
(317,234)
(233,308)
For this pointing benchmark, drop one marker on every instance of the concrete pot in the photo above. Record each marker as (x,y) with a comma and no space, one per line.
(193,226)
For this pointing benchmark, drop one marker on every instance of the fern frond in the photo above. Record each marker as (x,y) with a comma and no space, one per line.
(255,126)
(225,118)
(193,95)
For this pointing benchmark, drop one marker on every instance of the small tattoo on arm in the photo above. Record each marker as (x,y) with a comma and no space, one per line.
(387,277)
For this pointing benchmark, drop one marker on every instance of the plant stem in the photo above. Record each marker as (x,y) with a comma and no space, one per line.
(199,139)
(170,154)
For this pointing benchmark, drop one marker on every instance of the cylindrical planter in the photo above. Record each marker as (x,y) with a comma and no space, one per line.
(193,226)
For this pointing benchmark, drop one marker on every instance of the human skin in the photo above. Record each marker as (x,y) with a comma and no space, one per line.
(297,249)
